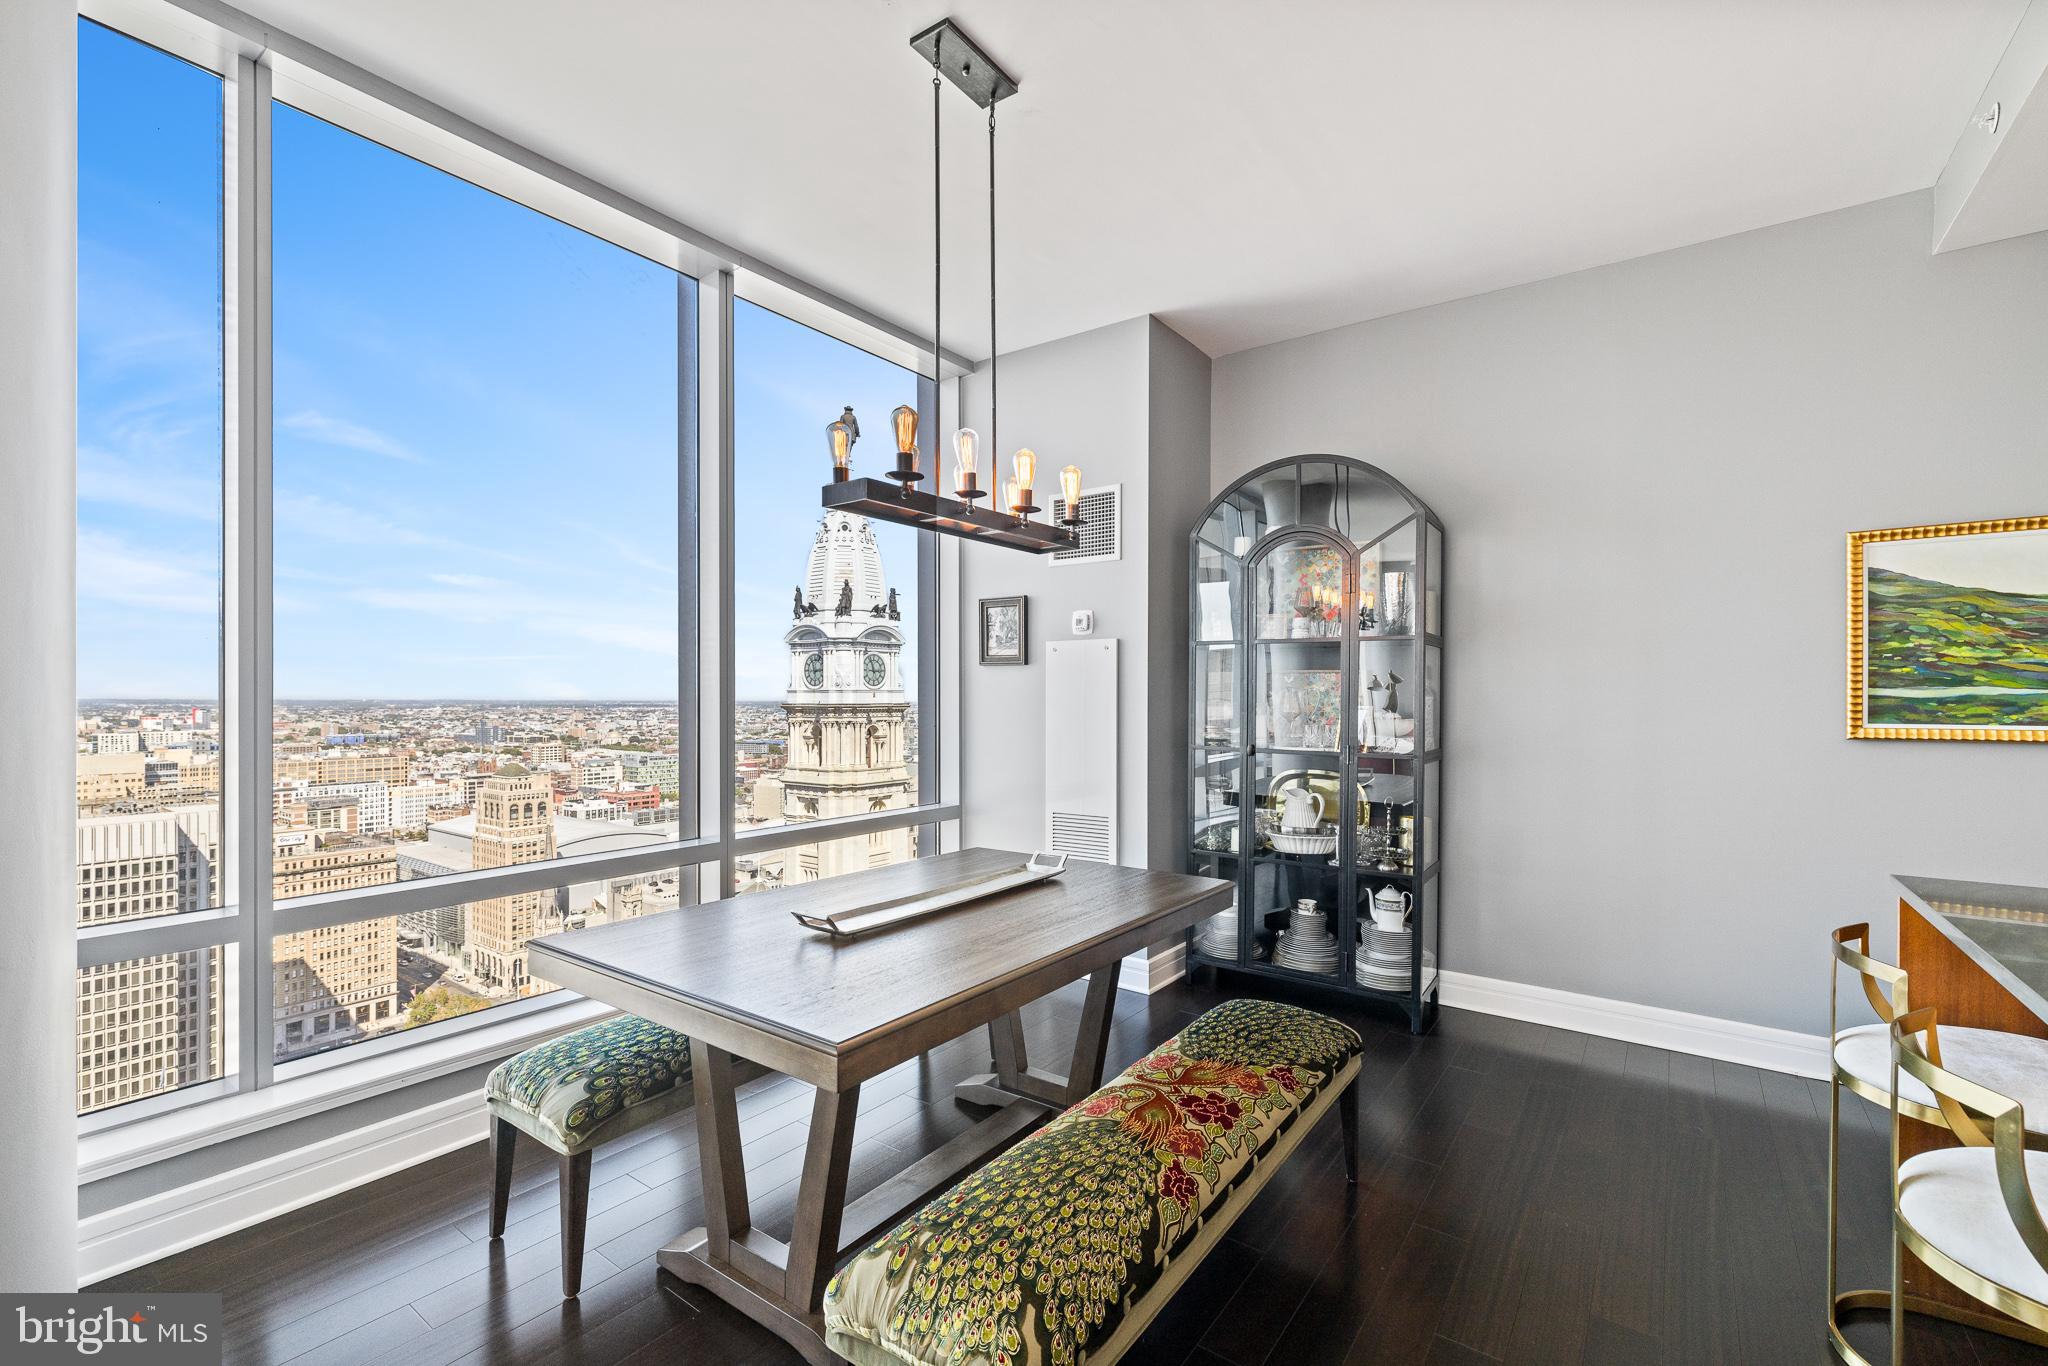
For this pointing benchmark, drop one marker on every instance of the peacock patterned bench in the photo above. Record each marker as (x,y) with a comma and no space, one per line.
(1061,1251)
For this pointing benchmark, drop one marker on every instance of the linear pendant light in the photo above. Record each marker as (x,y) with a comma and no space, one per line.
(955,56)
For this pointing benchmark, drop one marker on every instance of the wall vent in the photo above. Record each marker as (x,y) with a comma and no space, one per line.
(1081,748)
(1083,836)
(1101,526)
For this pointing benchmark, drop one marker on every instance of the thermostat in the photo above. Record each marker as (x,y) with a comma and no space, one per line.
(1084,623)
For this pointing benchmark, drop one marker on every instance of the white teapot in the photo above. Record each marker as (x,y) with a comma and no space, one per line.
(1301,811)
(1390,908)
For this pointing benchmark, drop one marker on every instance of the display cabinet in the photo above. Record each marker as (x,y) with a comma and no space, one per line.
(1316,730)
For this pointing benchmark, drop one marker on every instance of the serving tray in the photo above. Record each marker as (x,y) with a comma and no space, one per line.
(866,920)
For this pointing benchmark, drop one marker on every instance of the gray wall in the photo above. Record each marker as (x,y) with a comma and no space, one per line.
(1081,401)
(1177,402)
(1128,404)
(1646,472)
(38,351)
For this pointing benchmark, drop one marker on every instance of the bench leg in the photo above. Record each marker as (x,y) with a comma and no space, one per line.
(575,1212)
(503,1136)
(1347,1115)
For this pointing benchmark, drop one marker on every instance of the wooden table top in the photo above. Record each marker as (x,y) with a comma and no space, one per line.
(2002,929)
(745,976)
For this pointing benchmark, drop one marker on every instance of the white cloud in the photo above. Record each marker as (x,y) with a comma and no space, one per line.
(648,628)
(111,570)
(104,477)
(334,431)
(647,637)
(310,514)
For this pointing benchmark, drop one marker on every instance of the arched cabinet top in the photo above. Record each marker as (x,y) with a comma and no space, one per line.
(1346,498)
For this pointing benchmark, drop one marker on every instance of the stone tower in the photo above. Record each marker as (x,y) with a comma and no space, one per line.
(848,716)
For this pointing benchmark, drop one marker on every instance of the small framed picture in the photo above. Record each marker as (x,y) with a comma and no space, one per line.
(1003,639)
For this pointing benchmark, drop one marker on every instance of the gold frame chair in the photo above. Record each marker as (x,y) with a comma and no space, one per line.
(1979,1118)
(1885,987)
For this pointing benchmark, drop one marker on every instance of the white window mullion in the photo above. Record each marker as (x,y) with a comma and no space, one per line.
(715,470)
(246,685)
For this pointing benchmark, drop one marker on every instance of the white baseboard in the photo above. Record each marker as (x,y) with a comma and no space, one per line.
(1774,1050)
(131,1235)
(1152,969)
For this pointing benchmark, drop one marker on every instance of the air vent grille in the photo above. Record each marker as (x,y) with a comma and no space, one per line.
(1082,836)
(1101,526)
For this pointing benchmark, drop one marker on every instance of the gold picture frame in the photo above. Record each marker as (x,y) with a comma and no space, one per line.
(1864,723)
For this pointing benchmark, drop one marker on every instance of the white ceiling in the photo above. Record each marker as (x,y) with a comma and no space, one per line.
(1248,172)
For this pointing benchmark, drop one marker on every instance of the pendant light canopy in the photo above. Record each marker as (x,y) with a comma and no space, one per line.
(954,56)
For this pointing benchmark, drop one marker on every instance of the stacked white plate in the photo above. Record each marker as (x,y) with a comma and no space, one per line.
(1217,936)
(1307,945)
(1384,962)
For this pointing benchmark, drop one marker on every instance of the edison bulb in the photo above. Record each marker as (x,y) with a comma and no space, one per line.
(1070,490)
(1026,463)
(841,437)
(966,454)
(905,418)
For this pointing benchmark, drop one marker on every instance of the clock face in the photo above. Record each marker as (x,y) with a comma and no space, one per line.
(814,671)
(875,669)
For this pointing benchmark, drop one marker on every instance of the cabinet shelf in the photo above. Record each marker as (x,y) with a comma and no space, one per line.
(1260,967)
(1317,531)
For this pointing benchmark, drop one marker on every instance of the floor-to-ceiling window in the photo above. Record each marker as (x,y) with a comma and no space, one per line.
(150,488)
(826,638)
(393,610)
(476,645)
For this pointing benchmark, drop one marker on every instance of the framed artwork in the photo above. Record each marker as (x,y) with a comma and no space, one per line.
(1003,638)
(1948,631)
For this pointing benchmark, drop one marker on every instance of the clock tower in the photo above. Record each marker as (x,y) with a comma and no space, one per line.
(848,717)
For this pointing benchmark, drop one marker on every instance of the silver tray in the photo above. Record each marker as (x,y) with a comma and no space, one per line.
(851,924)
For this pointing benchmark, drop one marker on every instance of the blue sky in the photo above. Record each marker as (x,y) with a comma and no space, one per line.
(475,424)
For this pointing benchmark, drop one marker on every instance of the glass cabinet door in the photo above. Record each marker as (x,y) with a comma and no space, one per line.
(1217,611)
(1297,665)
(1315,688)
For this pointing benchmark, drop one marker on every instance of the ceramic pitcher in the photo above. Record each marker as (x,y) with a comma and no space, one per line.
(1301,810)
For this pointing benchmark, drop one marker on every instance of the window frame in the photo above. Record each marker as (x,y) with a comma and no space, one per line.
(259,66)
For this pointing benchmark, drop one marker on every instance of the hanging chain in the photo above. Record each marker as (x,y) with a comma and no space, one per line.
(994,449)
(938,242)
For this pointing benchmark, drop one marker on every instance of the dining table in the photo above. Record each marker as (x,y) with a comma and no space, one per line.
(1978,953)
(748,983)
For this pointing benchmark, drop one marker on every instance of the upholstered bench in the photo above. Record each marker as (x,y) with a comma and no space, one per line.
(1062,1251)
(574,1093)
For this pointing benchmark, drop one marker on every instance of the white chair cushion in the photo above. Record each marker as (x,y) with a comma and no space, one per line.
(1951,1197)
(2014,1065)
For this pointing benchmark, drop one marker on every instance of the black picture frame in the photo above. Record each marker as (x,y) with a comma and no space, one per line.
(998,644)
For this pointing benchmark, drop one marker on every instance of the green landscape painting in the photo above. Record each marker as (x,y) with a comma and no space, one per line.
(1958,634)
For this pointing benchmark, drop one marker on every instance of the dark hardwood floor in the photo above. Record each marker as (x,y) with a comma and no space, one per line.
(1526,1195)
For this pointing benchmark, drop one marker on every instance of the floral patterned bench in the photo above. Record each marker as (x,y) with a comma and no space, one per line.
(1061,1251)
